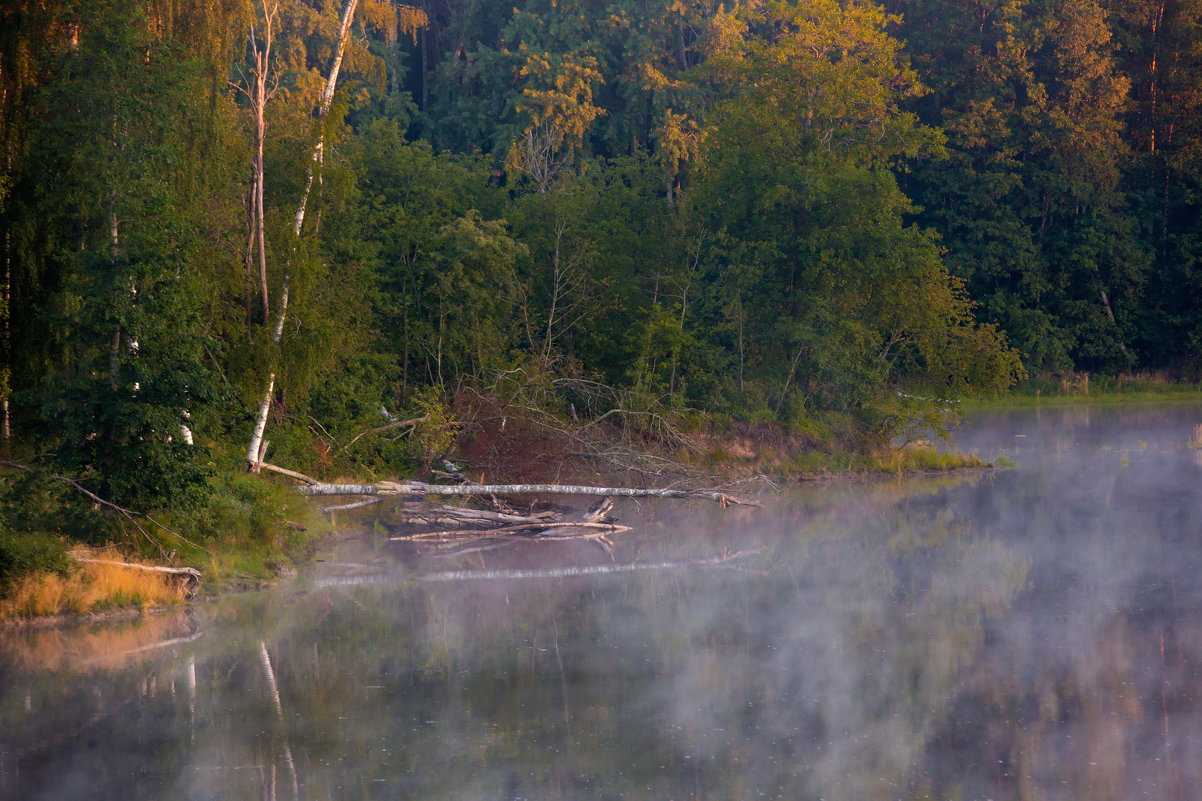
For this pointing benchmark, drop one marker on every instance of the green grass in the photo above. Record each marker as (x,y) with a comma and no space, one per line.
(1082,389)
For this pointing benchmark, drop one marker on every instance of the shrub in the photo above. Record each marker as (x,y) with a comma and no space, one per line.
(24,553)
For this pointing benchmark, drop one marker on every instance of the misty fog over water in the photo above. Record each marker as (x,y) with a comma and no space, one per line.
(1029,632)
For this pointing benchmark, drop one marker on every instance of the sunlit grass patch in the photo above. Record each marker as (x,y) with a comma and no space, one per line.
(89,587)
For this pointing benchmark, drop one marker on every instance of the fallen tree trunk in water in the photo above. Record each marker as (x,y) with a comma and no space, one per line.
(388,488)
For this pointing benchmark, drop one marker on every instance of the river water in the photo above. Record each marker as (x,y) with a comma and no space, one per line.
(1032,632)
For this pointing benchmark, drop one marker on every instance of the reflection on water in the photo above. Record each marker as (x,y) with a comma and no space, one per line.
(1029,633)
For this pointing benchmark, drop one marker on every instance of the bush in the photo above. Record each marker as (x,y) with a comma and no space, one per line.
(21,554)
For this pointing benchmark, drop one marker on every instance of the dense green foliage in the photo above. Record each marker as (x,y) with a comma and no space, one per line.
(22,553)
(771,210)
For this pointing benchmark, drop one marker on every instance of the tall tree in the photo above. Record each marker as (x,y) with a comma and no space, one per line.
(1027,200)
(809,223)
(120,298)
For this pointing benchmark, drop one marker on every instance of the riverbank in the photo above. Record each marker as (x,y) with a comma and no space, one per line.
(1077,389)
(271,531)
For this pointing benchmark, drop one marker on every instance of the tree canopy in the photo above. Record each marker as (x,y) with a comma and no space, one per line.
(335,213)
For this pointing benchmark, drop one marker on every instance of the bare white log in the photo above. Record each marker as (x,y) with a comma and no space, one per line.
(388,488)
(283,471)
(341,489)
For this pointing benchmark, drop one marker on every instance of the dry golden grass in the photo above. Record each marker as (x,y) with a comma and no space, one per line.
(88,588)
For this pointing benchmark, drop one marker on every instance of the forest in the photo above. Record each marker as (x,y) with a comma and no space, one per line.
(375,235)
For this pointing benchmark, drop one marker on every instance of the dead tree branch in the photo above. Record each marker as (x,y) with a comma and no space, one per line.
(397,424)
(290,473)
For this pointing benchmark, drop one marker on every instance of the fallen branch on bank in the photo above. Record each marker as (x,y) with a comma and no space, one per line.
(416,488)
(286,472)
(190,575)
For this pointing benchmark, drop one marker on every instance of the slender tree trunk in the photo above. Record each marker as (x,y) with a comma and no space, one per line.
(257,204)
(114,251)
(6,431)
(259,94)
(555,287)
(256,437)
(298,221)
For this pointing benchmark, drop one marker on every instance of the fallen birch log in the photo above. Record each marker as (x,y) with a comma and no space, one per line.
(190,575)
(283,471)
(390,488)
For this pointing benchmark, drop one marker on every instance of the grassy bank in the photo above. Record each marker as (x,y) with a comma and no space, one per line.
(1077,389)
(245,531)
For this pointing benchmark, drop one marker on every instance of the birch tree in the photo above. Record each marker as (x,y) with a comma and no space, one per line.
(414,19)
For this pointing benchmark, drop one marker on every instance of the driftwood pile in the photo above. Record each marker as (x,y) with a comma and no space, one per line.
(442,524)
(594,524)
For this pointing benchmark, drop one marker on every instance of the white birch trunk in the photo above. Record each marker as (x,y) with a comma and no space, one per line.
(327,97)
(256,437)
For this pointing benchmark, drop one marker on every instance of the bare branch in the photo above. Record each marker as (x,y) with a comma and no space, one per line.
(397,424)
